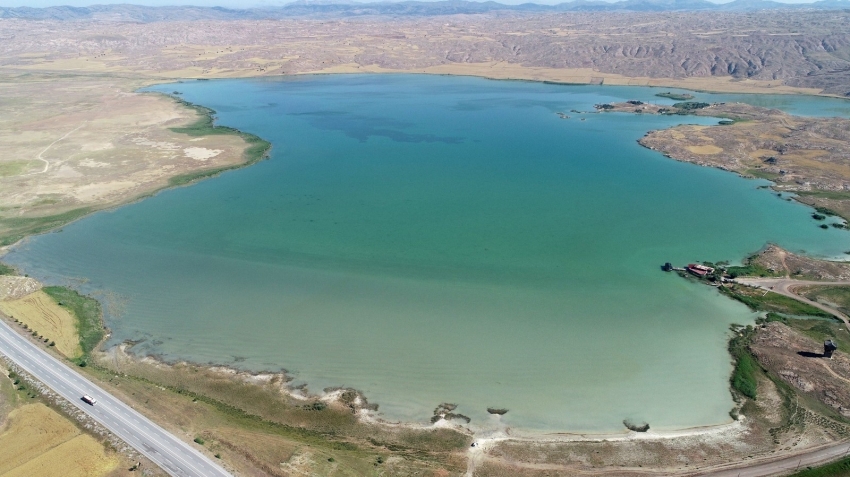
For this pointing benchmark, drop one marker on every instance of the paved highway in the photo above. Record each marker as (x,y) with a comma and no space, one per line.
(173,455)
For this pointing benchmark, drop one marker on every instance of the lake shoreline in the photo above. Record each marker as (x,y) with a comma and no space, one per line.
(208,119)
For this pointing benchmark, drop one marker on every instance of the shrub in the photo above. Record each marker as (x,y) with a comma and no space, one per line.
(199,440)
(691,105)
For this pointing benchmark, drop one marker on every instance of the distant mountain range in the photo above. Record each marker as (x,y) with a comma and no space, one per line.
(344,8)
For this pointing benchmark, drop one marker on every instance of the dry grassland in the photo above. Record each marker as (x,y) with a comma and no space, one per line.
(70,145)
(808,156)
(44,316)
(37,441)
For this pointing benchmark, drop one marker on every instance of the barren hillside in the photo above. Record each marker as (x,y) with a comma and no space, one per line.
(764,49)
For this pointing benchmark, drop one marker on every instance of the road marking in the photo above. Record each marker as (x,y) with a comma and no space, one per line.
(57,380)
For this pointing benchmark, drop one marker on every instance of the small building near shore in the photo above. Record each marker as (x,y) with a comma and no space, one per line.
(699,270)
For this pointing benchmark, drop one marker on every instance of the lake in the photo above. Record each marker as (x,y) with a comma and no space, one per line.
(430,239)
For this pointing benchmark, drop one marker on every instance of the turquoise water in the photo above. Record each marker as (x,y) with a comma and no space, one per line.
(793,104)
(438,239)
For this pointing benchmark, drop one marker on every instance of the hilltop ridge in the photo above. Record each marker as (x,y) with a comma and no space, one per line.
(346,8)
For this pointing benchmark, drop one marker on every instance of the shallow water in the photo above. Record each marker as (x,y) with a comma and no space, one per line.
(439,239)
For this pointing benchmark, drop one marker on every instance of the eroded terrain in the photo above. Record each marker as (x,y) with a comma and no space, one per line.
(777,51)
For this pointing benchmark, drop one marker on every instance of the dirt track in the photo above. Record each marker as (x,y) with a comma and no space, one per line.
(786,286)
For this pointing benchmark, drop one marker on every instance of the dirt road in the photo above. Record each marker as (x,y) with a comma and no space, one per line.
(786,287)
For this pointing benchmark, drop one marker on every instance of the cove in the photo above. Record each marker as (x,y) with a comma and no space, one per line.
(434,239)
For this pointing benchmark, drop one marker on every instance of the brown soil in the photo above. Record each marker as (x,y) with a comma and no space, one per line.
(796,359)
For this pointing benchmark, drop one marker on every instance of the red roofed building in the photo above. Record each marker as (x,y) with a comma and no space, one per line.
(699,270)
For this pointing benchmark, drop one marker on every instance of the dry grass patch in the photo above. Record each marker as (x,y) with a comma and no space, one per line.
(40,442)
(75,144)
(44,316)
(706,149)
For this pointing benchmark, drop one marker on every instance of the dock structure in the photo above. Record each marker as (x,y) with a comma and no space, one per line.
(829,347)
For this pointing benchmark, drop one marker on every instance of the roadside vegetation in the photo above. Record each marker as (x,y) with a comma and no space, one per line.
(840,468)
(760,300)
(836,296)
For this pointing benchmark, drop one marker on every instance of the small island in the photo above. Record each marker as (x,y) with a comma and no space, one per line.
(676,96)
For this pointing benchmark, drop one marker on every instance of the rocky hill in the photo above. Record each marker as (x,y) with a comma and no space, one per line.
(343,8)
(787,47)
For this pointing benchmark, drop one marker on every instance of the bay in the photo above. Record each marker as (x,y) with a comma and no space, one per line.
(432,239)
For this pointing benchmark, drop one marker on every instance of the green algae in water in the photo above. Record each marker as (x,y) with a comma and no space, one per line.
(437,239)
